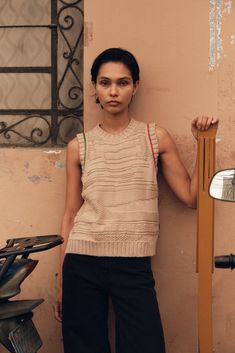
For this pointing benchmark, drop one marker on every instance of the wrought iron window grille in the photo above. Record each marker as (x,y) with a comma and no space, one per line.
(58,117)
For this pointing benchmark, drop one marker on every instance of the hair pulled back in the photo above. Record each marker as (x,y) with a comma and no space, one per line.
(118,55)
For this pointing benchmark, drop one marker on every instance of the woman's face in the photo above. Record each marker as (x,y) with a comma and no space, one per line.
(114,87)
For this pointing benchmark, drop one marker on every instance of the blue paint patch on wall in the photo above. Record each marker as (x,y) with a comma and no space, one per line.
(35,179)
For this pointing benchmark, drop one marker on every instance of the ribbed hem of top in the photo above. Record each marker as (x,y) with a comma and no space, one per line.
(112,248)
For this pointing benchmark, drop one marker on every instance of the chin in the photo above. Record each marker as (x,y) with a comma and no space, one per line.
(114,110)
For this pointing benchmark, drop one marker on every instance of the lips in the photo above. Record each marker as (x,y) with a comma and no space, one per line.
(113,103)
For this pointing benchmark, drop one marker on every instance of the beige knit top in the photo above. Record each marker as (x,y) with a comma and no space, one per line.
(119,216)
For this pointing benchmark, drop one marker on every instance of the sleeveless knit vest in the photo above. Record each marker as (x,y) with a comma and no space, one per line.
(119,216)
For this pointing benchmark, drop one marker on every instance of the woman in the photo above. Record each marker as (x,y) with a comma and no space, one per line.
(110,224)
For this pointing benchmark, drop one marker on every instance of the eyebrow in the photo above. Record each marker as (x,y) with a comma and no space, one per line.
(120,78)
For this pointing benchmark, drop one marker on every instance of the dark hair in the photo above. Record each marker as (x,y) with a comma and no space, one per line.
(116,55)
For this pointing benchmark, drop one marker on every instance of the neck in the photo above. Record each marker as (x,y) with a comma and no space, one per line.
(115,123)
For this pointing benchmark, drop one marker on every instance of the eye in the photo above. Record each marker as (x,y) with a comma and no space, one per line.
(104,83)
(124,83)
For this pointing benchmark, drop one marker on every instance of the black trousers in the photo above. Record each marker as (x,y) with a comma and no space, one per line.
(88,282)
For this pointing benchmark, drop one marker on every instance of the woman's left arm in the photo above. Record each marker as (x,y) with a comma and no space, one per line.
(176,175)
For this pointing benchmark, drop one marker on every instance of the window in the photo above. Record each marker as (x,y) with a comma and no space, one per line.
(41,71)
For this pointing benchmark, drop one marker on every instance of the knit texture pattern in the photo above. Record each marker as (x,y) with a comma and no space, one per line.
(119,216)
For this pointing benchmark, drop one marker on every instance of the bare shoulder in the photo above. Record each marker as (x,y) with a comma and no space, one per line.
(161,132)
(73,151)
(165,141)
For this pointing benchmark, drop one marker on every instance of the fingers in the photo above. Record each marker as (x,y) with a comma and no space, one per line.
(58,311)
(58,306)
(203,123)
(215,121)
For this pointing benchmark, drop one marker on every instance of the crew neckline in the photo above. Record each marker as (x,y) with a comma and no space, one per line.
(125,132)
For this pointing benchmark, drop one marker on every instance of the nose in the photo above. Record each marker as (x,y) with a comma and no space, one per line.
(113,90)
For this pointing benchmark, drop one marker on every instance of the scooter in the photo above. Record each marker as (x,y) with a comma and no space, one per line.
(18,333)
(222,187)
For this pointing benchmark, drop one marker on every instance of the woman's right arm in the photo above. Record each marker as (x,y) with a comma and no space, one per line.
(73,202)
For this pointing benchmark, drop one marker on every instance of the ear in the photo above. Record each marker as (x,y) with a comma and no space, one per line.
(136,86)
(94,88)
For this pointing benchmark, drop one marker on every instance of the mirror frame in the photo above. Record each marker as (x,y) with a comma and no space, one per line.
(215,198)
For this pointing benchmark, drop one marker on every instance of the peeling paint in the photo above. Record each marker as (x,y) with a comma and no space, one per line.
(58,164)
(217,9)
(35,179)
(53,152)
(54,159)
(219,29)
(228,6)
(212,35)
(88,33)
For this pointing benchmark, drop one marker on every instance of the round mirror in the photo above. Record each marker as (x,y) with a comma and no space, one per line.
(222,185)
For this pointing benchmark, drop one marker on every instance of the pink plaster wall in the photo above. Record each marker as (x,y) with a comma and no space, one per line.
(32,199)
(171,42)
